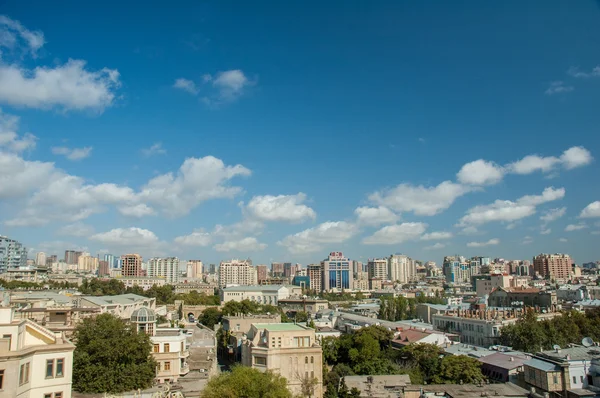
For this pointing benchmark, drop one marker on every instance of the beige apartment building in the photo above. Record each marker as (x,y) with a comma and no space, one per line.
(237,272)
(34,362)
(288,349)
(554,266)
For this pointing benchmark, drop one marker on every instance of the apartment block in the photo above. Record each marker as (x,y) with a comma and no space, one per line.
(553,266)
(167,268)
(237,272)
(131,265)
(12,254)
(315,275)
(401,268)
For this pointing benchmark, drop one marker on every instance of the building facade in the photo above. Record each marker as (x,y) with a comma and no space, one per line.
(553,266)
(378,268)
(401,268)
(261,294)
(315,275)
(261,273)
(12,254)
(237,272)
(337,272)
(131,265)
(167,268)
(194,269)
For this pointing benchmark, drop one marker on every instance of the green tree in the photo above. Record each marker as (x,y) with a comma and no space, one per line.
(301,316)
(456,369)
(247,382)
(210,317)
(111,356)
(425,356)
(180,311)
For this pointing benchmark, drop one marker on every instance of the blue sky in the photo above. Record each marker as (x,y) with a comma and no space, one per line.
(282,131)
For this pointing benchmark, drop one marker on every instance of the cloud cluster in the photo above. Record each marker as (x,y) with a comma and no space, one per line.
(73,153)
(316,238)
(285,208)
(224,87)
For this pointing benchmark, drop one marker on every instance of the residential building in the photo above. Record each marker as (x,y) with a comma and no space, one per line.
(34,361)
(206,288)
(131,265)
(239,326)
(261,273)
(237,272)
(277,269)
(378,268)
(40,259)
(383,386)
(12,254)
(169,346)
(262,294)
(51,260)
(122,305)
(503,367)
(212,269)
(194,269)
(553,266)
(401,268)
(287,270)
(71,257)
(288,349)
(87,263)
(311,306)
(103,268)
(167,268)
(145,282)
(315,275)
(337,273)
(28,273)
(458,270)
(416,336)
(519,297)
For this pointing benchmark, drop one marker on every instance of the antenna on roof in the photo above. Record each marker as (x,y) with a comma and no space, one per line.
(556,347)
(587,341)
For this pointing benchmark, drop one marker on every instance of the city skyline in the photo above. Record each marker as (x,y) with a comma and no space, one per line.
(206,141)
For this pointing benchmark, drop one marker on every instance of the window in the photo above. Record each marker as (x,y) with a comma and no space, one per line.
(312,359)
(24,374)
(581,378)
(305,375)
(574,380)
(158,366)
(47,395)
(156,348)
(58,394)
(49,368)
(555,379)
(60,363)
(262,361)
(1,378)
(305,359)
(312,374)
(167,365)
(167,347)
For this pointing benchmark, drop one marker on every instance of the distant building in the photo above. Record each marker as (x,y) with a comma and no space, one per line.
(212,269)
(287,270)
(144,282)
(378,268)
(458,270)
(261,294)
(261,273)
(12,254)
(194,269)
(131,265)
(87,263)
(522,297)
(315,275)
(167,268)
(277,269)
(337,272)
(40,259)
(401,268)
(103,268)
(71,256)
(553,266)
(237,272)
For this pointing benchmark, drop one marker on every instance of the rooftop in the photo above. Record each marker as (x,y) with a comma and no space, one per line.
(279,327)
(505,361)
(128,298)
(576,353)
(542,365)
(473,390)
(262,288)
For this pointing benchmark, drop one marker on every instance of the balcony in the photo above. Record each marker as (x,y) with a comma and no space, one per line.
(185,369)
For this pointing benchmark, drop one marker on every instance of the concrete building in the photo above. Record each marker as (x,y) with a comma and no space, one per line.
(169,346)
(277,270)
(167,268)
(311,306)
(262,294)
(131,265)
(401,268)
(288,349)
(237,272)
(87,263)
(337,273)
(239,326)
(261,274)
(34,361)
(145,282)
(553,266)
(503,367)
(206,288)
(519,297)
(12,254)
(485,284)
(194,269)
(40,259)
(458,270)
(122,305)
(315,275)
(71,257)
(378,268)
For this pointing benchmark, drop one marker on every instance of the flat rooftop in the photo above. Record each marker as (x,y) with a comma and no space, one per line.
(279,327)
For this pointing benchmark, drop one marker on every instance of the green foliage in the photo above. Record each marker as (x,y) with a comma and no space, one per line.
(99,287)
(180,311)
(455,369)
(402,308)
(111,357)
(301,316)
(247,382)
(210,317)
(15,285)
(530,335)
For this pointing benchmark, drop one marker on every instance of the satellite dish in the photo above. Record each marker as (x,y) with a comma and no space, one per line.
(556,347)
(587,341)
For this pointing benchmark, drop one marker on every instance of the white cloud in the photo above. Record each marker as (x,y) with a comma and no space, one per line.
(230,84)
(394,234)
(69,87)
(558,87)
(436,246)
(563,240)
(198,180)
(73,153)
(571,158)
(140,210)
(490,242)
(575,227)
(426,201)
(76,229)
(240,229)
(155,149)
(196,238)
(527,240)
(546,231)
(285,208)
(575,72)
(132,236)
(19,177)
(247,244)
(11,31)
(186,85)
(591,211)
(576,156)
(553,214)
(314,239)
(9,139)
(470,230)
(437,236)
(549,194)
(374,216)
(480,172)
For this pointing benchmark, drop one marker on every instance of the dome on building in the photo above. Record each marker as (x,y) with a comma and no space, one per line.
(143,315)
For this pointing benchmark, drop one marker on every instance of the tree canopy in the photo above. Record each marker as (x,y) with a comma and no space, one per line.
(401,308)
(210,317)
(111,356)
(247,382)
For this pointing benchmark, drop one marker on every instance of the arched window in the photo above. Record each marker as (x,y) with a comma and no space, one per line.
(312,359)
(305,359)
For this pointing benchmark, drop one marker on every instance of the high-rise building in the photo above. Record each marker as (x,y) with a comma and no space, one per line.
(378,268)
(87,263)
(113,261)
(457,269)
(40,259)
(237,272)
(71,256)
(212,269)
(194,269)
(337,272)
(131,265)
(261,273)
(103,268)
(12,254)
(167,268)
(276,270)
(315,275)
(553,265)
(287,270)
(357,267)
(401,268)
(51,260)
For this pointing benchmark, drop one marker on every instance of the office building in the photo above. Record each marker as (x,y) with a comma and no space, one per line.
(34,361)
(337,272)
(40,259)
(12,254)
(167,268)
(378,268)
(261,273)
(401,268)
(553,266)
(237,272)
(131,265)
(315,275)
(288,349)
(113,261)
(194,269)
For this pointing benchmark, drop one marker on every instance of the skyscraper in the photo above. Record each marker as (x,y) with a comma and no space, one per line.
(276,270)
(337,272)
(237,272)
(40,259)
(194,269)
(401,268)
(553,265)
(287,270)
(12,254)
(212,269)
(70,257)
(315,275)
(167,268)
(131,265)
(378,268)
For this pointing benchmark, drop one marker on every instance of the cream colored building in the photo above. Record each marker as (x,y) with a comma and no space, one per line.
(145,282)
(237,272)
(87,263)
(288,349)
(34,362)
(261,294)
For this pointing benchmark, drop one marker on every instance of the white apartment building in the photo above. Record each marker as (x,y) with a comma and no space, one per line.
(262,294)
(378,268)
(237,272)
(34,362)
(194,269)
(401,268)
(167,268)
(40,259)
(12,254)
